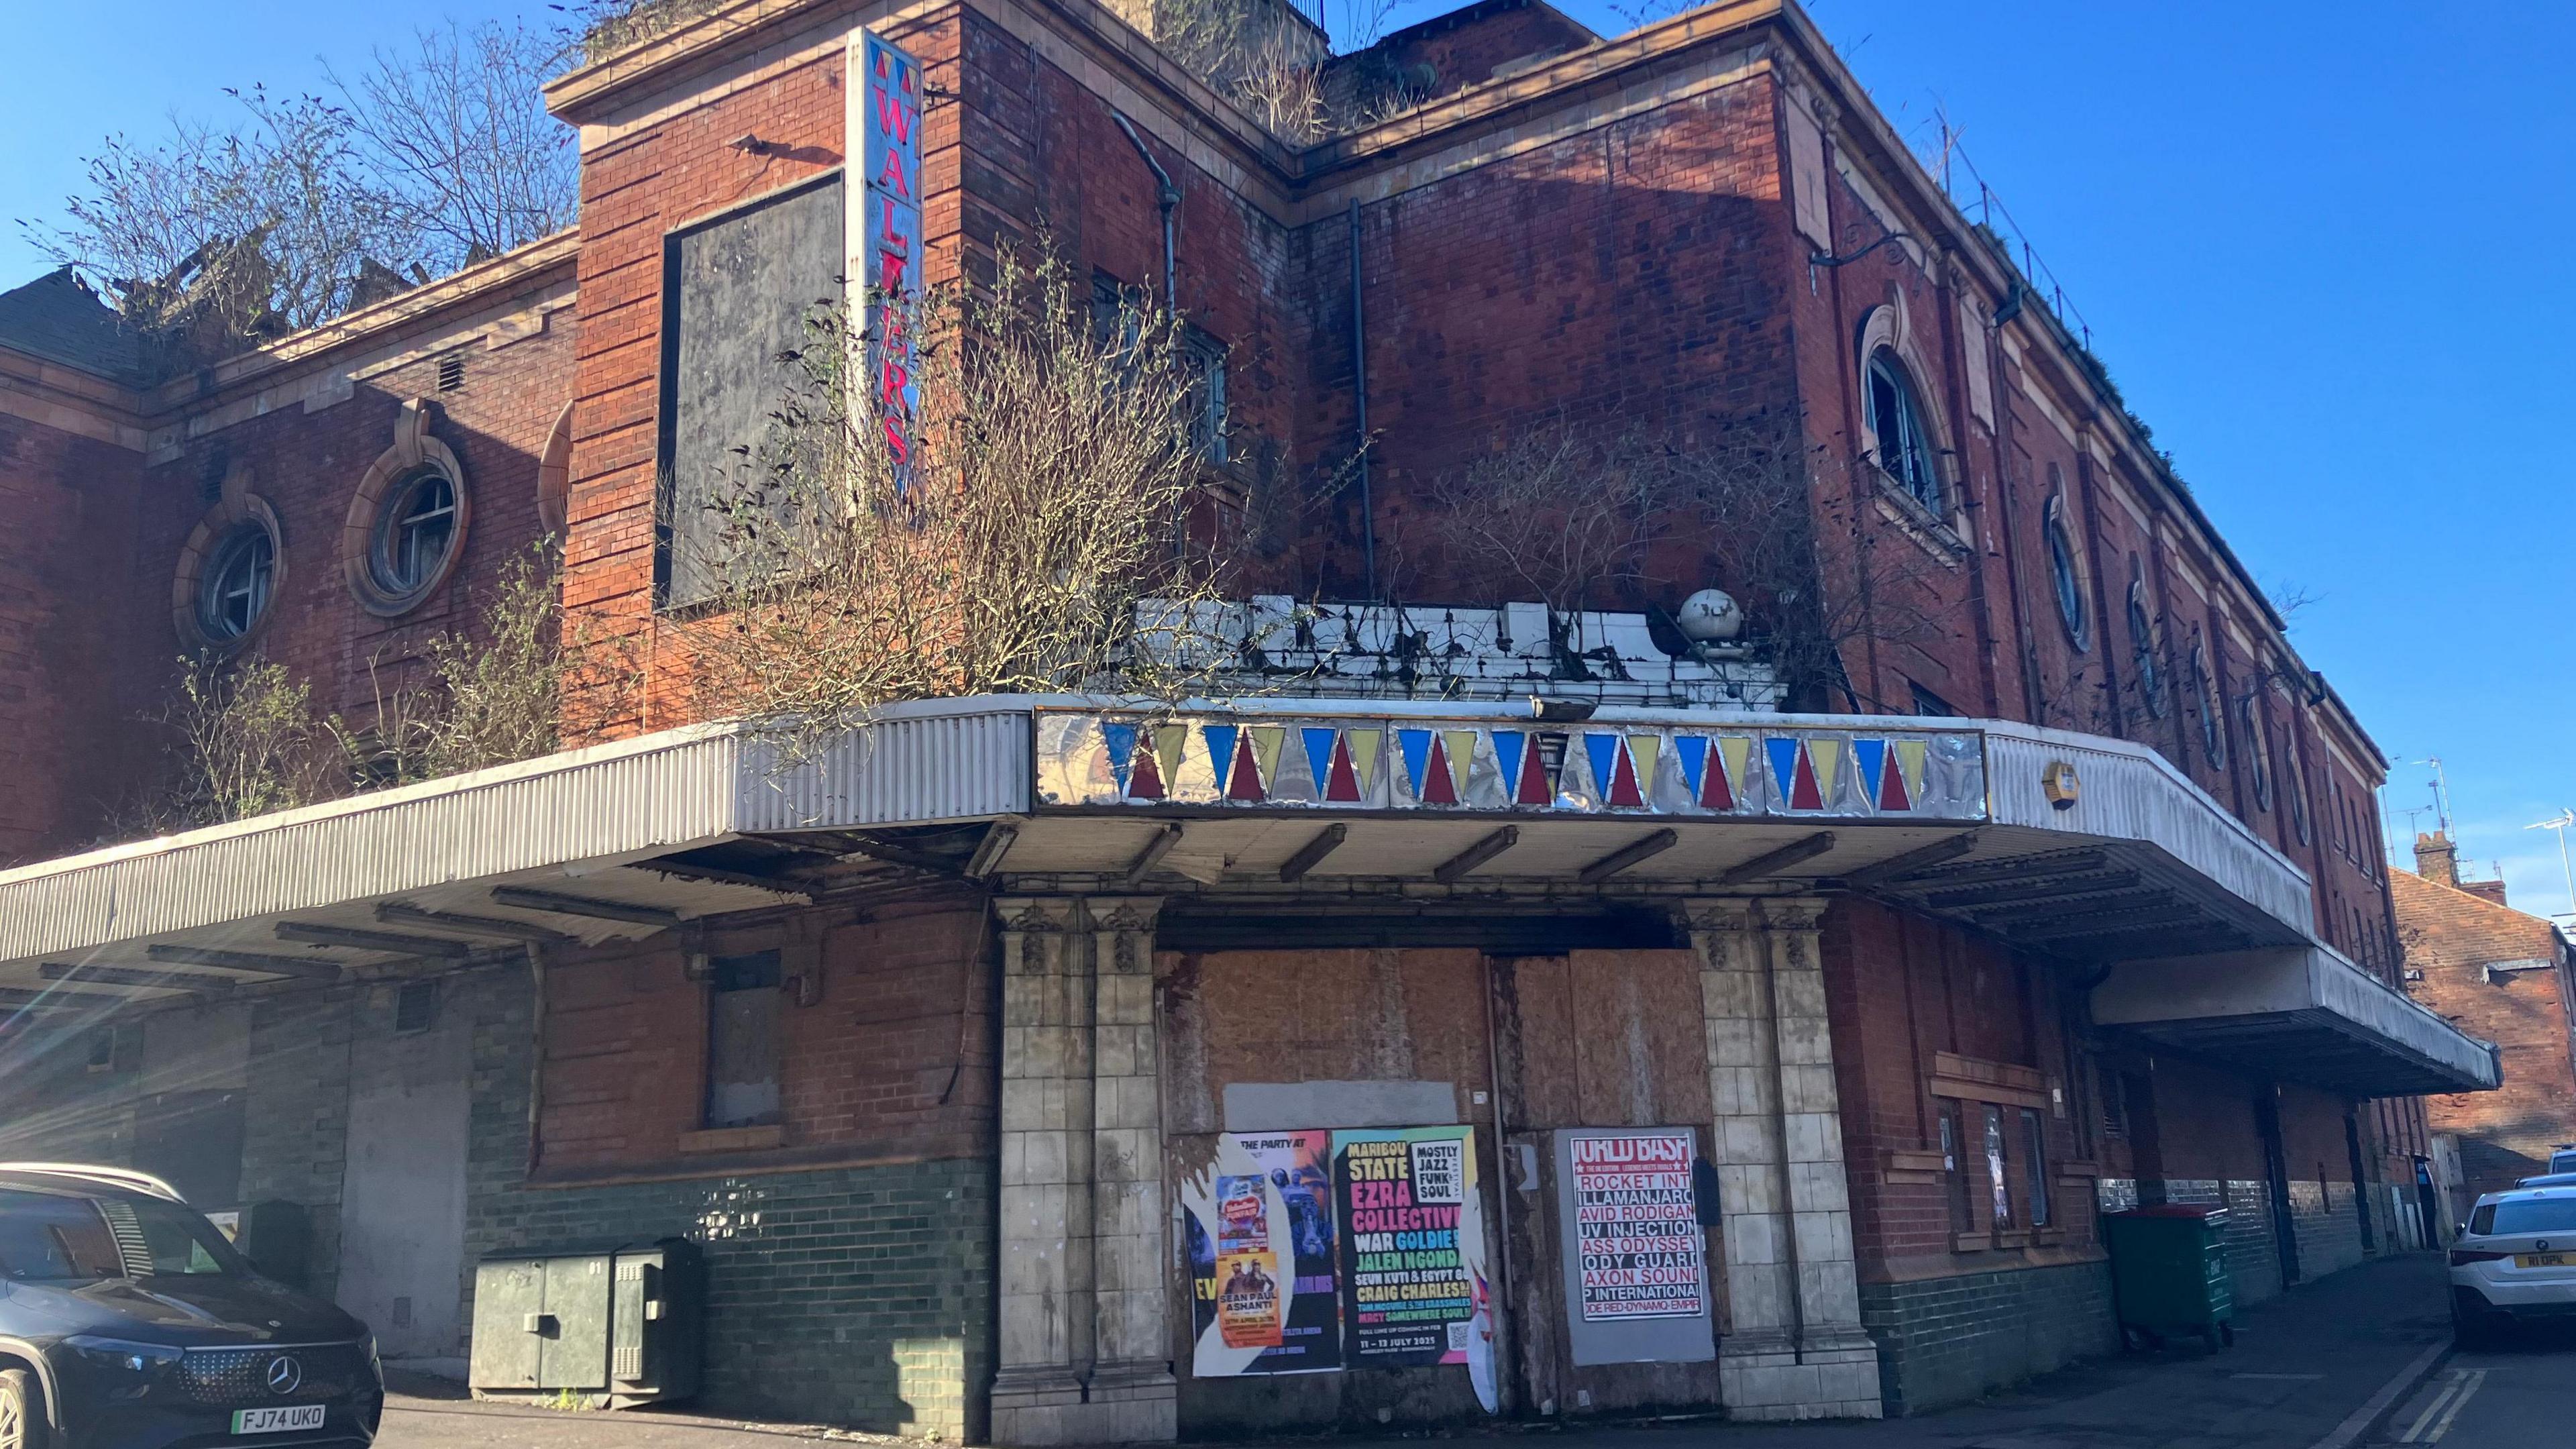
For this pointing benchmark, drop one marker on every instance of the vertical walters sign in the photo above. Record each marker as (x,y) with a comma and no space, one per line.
(885,277)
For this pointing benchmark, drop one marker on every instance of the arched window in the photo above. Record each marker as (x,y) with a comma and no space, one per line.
(1896,422)
(407,522)
(2257,753)
(415,532)
(2204,703)
(2295,785)
(232,592)
(2142,648)
(2065,568)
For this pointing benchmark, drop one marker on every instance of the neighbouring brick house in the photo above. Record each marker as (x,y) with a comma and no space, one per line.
(967,1046)
(2503,975)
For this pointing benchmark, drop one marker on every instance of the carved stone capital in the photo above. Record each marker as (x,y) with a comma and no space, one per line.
(1038,914)
(1715,913)
(1805,914)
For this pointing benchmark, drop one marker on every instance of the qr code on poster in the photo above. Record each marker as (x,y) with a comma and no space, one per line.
(1439,1171)
(1458,1335)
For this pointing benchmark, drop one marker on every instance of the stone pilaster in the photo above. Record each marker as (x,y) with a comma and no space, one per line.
(1085,1356)
(1132,1392)
(1046,1326)
(1791,1346)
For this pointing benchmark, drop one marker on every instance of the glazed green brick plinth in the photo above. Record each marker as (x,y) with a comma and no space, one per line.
(1947,1340)
(860,1297)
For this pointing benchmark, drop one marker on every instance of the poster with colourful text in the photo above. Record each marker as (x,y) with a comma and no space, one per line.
(1637,1236)
(1415,1288)
(1260,1237)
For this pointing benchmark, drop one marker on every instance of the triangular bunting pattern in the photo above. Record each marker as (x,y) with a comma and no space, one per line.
(1364,746)
(1643,749)
(1623,779)
(1803,794)
(1601,750)
(1266,743)
(1145,781)
(1783,753)
(1909,758)
(1547,765)
(1220,748)
(1169,741)
(1828,756)
(1734,752)
(1691,752)
(1507,753)
(1416,745)
(1439,787)
(1245,774)
(1870,758)
(1340,783)
(1892,794)
(1121,740)
(1462,758)
(1320,742)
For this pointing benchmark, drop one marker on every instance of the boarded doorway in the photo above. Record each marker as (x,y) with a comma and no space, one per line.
(402,1200)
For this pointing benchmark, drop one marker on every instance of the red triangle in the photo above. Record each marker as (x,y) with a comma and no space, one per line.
(1245,782)
(1713,791)
(1436,786)
(1535,787)
(1341,782)
(1891,786)
(1145,781)
(1803,794)
(1623,780)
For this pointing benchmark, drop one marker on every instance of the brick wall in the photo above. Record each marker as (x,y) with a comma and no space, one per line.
(1946,1340)
(2451,936)
(71,607)
(860,1296)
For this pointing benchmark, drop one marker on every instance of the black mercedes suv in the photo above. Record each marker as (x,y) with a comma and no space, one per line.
(128,1322)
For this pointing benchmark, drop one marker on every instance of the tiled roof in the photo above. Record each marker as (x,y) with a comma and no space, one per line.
(57,318)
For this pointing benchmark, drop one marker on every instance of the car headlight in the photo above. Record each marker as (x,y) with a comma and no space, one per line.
(123,1355)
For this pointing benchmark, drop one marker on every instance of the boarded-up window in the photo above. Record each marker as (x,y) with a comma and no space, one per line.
(742,1040)
(740,297)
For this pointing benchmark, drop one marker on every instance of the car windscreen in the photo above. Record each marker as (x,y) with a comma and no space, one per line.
(45,1237)
(2533,1215)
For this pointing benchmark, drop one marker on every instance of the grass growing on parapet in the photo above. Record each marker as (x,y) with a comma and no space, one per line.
(244,735)
(1049,487)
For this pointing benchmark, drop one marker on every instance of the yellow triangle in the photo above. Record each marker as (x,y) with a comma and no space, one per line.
(1460,747)
(1364,745)
(1828,755)
(1168,740)
(1909,758)
(1266,740)
(1642,748)
(1734,750)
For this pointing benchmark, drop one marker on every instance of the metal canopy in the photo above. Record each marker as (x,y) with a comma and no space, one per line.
(2301,1014)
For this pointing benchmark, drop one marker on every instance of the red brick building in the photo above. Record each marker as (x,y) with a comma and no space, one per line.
(2056,893)
(2502,975)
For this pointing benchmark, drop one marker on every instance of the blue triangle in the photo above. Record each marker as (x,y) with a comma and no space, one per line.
(1319,753)
(1871,756)
(1121,739)
(1783,751)
(1507,750)
(1220,743)
(1416,745)
(1693,750)
(1604,750)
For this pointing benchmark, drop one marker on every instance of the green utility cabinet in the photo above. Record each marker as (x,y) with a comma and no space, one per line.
(2169,1274)
(615,1325)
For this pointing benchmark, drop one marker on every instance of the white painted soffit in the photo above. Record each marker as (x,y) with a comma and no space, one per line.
(920,763)
(977,758)
(2301,1014)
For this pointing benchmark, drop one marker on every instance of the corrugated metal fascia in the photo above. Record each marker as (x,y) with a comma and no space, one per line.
(2129,793)
(668,796)
(908,767)
(2342,987)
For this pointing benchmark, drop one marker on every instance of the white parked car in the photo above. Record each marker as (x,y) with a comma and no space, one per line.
(2514,1262)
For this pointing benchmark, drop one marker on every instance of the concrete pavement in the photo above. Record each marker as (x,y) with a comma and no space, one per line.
(2310,1370)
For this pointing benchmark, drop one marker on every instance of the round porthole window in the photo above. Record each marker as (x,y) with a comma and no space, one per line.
(414,536)
(234,585)
(407,523)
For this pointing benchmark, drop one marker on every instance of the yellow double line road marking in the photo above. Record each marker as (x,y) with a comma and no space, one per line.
(2435,1421)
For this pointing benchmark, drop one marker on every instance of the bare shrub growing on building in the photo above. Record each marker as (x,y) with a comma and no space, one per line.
(1047,492)
(245,740)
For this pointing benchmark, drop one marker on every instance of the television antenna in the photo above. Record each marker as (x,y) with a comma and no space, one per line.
(2559,823)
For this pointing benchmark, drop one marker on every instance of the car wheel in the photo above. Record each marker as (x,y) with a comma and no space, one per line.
(22,1411)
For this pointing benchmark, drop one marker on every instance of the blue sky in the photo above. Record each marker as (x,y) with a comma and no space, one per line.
(2318,246)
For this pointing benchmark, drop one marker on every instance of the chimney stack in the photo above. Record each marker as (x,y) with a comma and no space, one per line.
(2437,859)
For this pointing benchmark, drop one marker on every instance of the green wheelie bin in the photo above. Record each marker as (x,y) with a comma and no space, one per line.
(2169,1274)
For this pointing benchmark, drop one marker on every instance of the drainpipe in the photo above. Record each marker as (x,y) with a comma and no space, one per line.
(1359,409)
(536,1054)
(1166,195)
